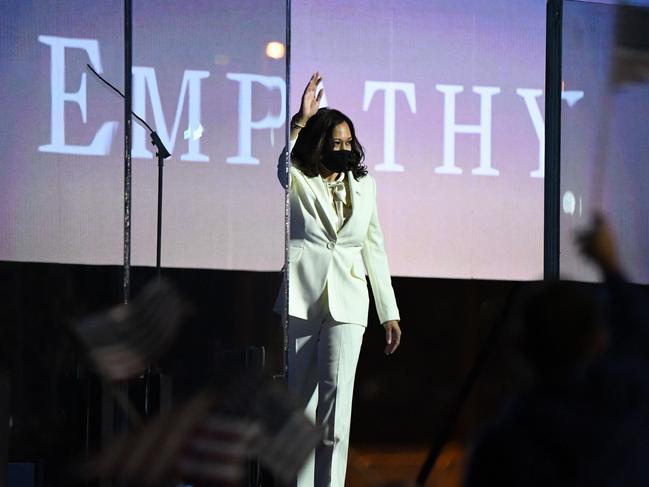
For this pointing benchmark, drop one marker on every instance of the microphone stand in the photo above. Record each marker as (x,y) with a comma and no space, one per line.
(162,154)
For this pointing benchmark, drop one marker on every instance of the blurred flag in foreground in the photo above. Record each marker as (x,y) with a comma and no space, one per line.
(208,440)
(124,340)
(286,435)
(631,54)
(192,444)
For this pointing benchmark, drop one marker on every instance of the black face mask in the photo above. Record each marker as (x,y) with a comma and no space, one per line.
(337,160)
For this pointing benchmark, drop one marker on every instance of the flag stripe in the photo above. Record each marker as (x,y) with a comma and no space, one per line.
(162,459)
(285,452)
(210,471)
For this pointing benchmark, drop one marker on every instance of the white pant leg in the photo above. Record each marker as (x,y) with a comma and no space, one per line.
(302,378)
(338,350)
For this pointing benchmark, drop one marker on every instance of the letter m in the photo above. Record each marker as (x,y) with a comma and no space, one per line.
(144,78)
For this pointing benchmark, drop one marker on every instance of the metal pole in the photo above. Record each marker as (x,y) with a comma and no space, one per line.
(128,65)
(120,418)
(159,225)
(287,201)
(552,188)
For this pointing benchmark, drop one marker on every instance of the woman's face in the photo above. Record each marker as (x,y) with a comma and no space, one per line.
(341,137)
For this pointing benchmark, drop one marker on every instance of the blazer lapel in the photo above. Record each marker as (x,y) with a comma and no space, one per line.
(323,203)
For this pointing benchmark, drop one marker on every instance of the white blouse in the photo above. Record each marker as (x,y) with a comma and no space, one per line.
(339,197)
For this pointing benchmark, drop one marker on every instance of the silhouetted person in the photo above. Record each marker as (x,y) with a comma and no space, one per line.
(585,420)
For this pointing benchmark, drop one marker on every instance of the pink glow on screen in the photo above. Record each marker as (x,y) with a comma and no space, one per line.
(447,98)
(459,193)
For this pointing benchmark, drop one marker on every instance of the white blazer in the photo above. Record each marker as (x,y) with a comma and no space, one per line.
(319,256)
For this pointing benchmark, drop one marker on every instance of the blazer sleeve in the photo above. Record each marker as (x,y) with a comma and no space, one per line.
(376,263)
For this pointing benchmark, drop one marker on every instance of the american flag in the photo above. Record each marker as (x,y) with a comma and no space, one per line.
(124,340)
(286,436)
(193,443)
(631,54)
(208,440)
(216,452)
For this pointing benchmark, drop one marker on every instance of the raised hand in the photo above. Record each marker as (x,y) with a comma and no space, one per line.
(597,244)
(310,99)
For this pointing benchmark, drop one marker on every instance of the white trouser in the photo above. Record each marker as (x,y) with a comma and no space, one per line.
(322,359)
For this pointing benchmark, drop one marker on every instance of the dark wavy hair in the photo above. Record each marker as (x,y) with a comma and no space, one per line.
(316,137)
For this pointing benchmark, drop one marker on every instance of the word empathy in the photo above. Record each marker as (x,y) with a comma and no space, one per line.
(145,82)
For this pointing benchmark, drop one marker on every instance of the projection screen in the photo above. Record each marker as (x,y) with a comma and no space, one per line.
(447,98)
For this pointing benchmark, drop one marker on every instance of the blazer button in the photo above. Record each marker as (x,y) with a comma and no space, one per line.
(330,245)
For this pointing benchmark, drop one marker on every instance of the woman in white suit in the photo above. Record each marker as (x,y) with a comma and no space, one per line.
(335,238)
